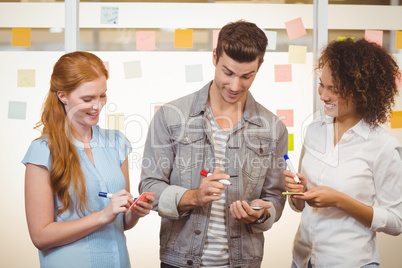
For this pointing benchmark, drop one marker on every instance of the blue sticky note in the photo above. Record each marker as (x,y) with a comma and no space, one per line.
(194,73)
(17,110)
(272,36)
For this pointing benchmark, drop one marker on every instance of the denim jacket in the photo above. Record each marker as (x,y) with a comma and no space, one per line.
(178,147)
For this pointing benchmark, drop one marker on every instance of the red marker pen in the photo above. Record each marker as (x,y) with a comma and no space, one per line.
(206,174)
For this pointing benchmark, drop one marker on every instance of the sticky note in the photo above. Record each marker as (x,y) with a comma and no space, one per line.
(17,110)
(396,119)
(283,73)
(106,63)
(295,28)
(115,121)
(109,15)
(132,69)
(374,36)
(272,37)
(194,73)
(215,35)
(25,78)
(343,38)
(398,40)
(156,108)
(297,54)
(21,37)
(291,143)
(286,116)
(183,38)
(145,40)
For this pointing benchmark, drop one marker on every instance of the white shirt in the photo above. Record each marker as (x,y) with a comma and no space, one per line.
(365,164)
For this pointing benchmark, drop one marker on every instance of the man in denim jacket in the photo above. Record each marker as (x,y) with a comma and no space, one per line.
(206,223)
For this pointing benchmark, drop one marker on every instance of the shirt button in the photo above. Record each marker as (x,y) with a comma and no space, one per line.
(190,262)
(197,232)
(186,138)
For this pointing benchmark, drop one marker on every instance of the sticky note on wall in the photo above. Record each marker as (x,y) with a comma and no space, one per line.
(145,40)
(215,35)
(374,36)
(194,73)
(398,40)
(295,28)
(291,142)
(132,69)
(17,110)
(115,121)
(396,119)
(297,54)
(25,78)
(272,37)
(286,116)
(109,15)
(183,38)
(21,37)
(283,73)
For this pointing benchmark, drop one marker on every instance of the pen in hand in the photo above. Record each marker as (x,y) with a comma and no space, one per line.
(109,195)
(206,174)
(291,168)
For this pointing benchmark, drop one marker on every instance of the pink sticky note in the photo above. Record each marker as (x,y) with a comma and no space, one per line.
(156,108)
(215,34)
(374,36)
(106,63)
(145,40)
(283,73)
(295,28)
(286,116)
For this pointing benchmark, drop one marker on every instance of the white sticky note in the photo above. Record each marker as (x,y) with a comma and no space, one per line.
(109,15)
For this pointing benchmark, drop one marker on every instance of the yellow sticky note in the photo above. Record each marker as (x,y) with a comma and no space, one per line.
(343,38)
(183,38)
(396,119)
(21,37)
(25,78)
(398,40)
(297,54)
(115,121)
(291,143)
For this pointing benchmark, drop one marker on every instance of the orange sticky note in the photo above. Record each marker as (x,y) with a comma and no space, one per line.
(145,40)
(374,36)
(215,35)
(398,40)
(286,116)
(295,28)
(21,37)
(396,119)
(283,73)
(183,38)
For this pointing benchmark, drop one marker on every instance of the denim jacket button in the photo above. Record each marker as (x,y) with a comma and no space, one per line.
(190,262)
(197,232)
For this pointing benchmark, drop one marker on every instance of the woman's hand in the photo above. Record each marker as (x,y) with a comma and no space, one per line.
(119,203)
(142,208)
(291,185)
(321,196)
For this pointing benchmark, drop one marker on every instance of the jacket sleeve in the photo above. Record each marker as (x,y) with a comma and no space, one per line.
(157,164)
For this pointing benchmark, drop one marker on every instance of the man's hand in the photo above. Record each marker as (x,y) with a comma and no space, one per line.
(242,212)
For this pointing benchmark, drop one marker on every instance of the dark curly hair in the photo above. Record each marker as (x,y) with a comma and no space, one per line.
(365,73)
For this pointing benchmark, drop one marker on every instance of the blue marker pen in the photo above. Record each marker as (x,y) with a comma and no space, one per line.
(291,168)
(108,195)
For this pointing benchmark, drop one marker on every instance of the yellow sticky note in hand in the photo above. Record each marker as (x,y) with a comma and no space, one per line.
(183,38)
(21,37)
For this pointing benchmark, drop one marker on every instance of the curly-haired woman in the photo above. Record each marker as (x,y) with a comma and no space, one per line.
(349,162)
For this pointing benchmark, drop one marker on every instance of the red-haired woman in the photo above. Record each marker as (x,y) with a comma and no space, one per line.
(69,164)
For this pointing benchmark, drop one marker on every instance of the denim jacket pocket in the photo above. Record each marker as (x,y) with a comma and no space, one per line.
(188,143)
(259,152)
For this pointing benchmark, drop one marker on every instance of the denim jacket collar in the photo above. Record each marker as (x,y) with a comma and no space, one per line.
(250,114)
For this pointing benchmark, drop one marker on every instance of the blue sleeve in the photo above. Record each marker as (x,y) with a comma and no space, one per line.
(38,154)
(124,146)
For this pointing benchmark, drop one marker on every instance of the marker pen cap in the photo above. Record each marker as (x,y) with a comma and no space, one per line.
(286,157)
(204,173)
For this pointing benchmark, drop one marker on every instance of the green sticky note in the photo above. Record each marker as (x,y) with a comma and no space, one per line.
(291,145)
(343,38)
(17,110)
